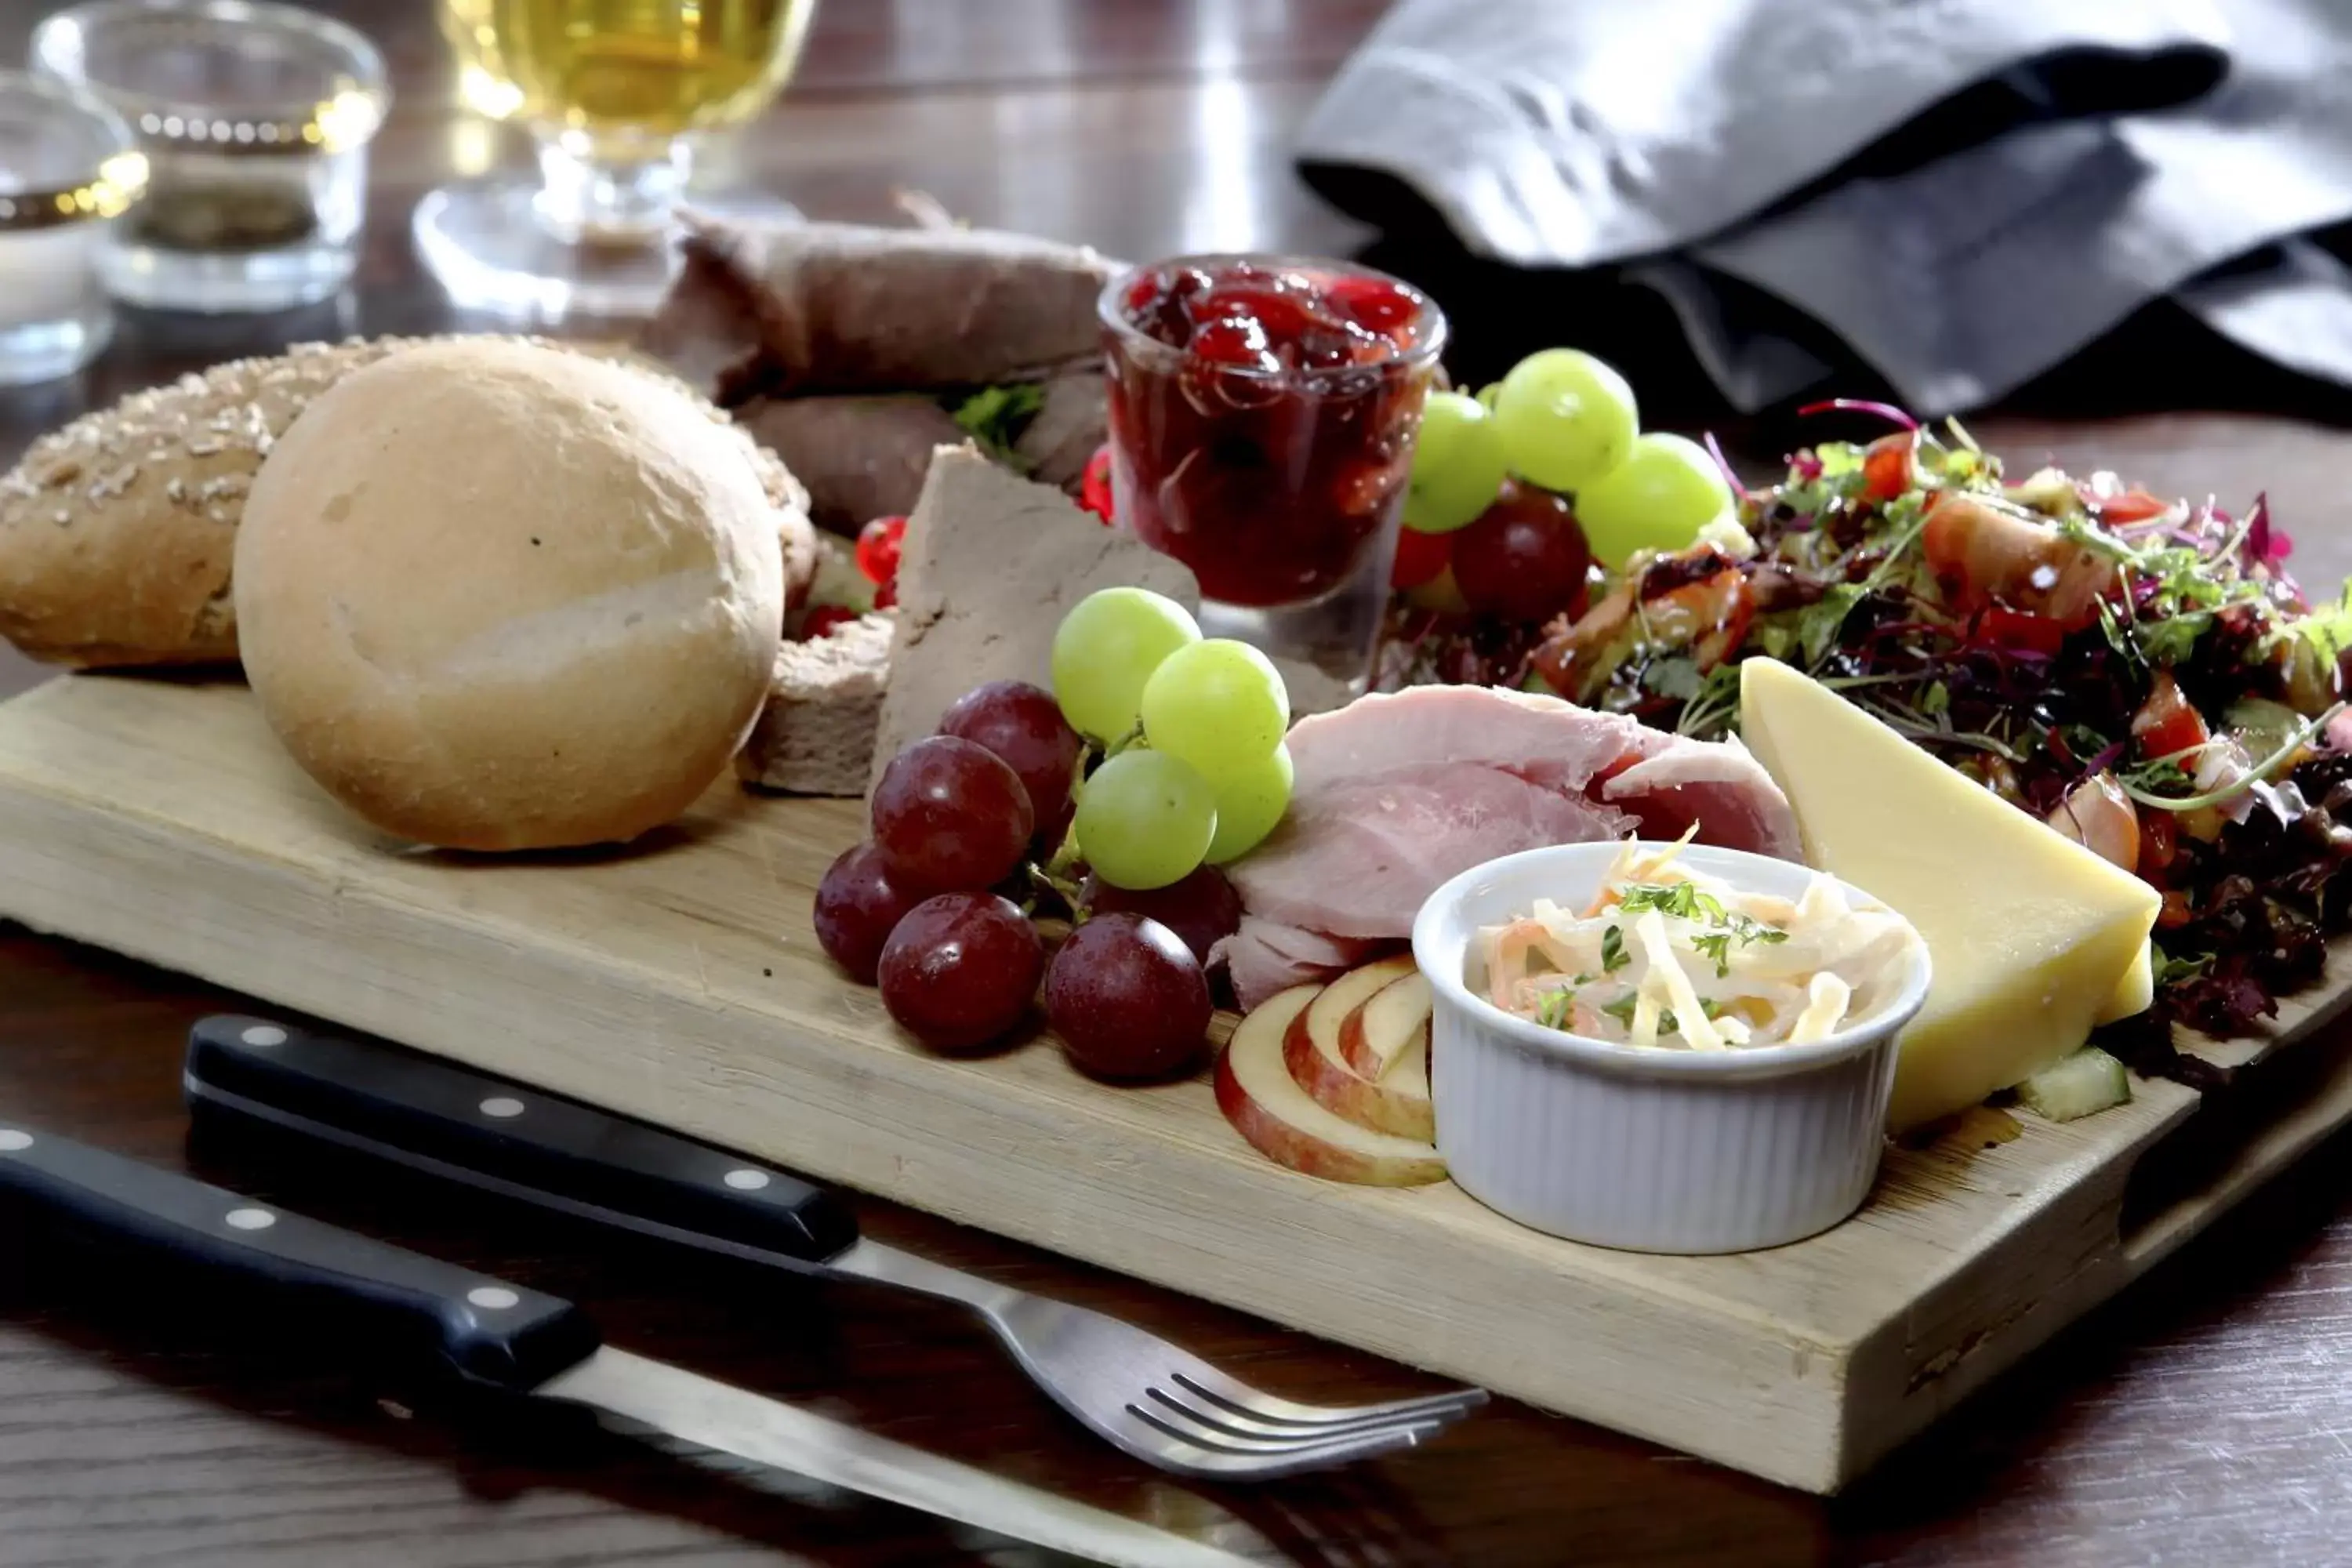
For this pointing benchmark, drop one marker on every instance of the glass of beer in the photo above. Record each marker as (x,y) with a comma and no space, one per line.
(616,93)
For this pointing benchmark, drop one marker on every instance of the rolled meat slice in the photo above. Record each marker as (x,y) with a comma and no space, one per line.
(860,456)
(829,307)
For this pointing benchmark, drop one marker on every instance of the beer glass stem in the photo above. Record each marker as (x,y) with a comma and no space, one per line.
(588,198)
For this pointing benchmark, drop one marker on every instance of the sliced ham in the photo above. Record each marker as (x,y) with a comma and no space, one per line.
(1400,834)
(1716,783)
(1396,793)
(1541,739)
(1267,956)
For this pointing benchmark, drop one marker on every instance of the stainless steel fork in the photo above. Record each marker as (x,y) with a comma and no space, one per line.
(1158,1402)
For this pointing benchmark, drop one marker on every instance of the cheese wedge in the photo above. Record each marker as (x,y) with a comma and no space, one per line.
(2137,991)
(2032,935)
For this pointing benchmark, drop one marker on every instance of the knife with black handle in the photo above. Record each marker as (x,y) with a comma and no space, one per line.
(506,1337)
(432,1115)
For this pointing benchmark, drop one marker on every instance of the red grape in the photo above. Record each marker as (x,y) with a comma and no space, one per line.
(1128,998)
(878,543)
(1023,725)
(961,969)
(1420,557)
(1524,558)
(857,907)
(1201,908)
(950,816)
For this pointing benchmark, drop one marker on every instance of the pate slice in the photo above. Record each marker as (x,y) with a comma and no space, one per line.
(988,565)
(814,734)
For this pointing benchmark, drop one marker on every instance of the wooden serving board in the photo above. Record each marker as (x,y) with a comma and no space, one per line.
(680,981)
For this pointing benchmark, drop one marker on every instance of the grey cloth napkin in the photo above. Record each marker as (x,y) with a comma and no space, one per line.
(1960,281)
(1566,133)
(1957,274)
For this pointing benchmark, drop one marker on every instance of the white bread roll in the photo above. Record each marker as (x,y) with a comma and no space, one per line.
(497,596)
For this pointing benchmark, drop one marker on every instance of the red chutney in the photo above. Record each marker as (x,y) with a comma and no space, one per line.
(1262,416)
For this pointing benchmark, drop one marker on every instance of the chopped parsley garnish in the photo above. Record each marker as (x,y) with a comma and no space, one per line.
(1614,956)
(1740,929)
(1683,901)
(1556,1005)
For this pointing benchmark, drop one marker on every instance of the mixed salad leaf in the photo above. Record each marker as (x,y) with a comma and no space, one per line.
(2145,673)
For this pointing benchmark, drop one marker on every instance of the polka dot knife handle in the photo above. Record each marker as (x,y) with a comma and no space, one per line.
(433,1116)
(488,1330)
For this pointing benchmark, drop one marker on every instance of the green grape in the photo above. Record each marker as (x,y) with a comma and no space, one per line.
(1457,464)
(1667,489)
(1106,649)
(1220,705)
(1146,819)
(1566,418)
(1250,804)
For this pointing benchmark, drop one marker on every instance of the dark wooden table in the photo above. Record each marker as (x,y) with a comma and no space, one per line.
(2203,1420)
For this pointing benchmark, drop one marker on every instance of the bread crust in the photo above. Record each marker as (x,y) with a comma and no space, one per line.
(118,532)
(498,597)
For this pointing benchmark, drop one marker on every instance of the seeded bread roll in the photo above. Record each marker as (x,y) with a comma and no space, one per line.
(495,596)
(118,532)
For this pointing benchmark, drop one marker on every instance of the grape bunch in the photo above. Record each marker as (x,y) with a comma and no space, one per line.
(1196,771)
(964,821)
(1490,524)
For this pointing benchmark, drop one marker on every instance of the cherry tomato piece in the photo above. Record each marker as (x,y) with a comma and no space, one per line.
(878,543)
(2016,629)
(1094,486)
(2159,844)
(1886,466)
(2132,506)
(2167,723)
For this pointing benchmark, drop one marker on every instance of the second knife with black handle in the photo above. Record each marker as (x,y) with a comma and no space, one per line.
(521,1342)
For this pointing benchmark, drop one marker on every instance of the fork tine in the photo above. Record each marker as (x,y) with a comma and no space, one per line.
(1178,1422)
(1231,1427)
(1241,1399)
(1187,1454)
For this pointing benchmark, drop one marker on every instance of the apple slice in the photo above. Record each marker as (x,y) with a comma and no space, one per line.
(1375,1034)
(1398,1103)
(1279,1118)
(1344,996)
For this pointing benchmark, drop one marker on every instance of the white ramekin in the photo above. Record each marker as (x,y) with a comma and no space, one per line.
(1683,1152)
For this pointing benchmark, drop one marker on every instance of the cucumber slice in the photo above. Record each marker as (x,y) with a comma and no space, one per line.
(2088,1081)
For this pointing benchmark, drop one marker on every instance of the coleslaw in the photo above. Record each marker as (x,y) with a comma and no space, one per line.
(1666,958)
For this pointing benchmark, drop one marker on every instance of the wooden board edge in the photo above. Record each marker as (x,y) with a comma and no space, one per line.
(1680,1371)
(2178,1184)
